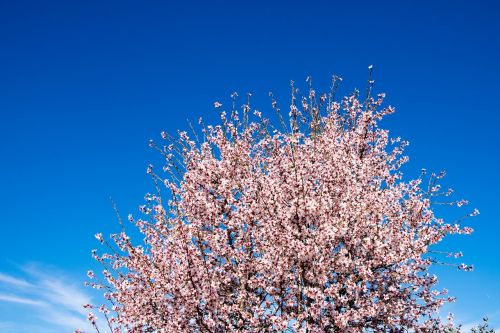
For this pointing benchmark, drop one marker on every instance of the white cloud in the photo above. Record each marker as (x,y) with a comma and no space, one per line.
(467,327)
(4,278)
(48,300)
(493,322)
(21,300)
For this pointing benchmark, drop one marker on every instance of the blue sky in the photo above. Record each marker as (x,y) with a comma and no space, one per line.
(84,85)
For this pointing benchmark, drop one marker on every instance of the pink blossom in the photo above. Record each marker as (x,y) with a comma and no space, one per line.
(266,229)
(91,318)
(99,237)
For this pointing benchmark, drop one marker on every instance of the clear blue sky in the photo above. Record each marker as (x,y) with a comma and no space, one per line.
(85,84)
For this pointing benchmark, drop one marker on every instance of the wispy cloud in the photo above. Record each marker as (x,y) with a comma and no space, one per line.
(50,301)
(493,322)
(17,282)
(20,300)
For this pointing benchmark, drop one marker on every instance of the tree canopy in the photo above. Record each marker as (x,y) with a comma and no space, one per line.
(307,226)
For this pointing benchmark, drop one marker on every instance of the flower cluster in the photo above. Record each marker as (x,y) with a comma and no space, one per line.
(307,228)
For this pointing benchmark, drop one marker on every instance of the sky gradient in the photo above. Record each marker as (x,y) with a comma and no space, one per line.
(85,85)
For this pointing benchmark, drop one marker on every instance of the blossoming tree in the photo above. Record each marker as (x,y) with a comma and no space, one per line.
(304,227)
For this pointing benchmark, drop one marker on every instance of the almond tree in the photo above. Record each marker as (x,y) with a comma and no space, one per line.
(305,227)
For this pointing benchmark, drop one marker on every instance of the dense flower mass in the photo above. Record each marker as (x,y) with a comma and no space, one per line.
(310,227)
